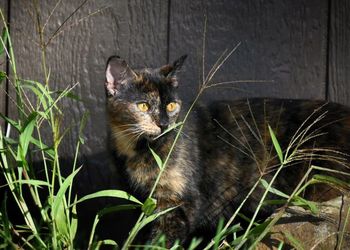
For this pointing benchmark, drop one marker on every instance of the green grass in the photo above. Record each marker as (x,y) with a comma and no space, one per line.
(56,225)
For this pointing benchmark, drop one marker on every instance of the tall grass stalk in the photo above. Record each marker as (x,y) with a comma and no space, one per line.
(57,226)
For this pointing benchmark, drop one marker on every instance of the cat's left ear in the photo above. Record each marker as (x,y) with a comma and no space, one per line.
(170,70)
(117,72)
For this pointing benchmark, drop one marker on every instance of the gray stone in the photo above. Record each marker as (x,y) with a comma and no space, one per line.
(300,229)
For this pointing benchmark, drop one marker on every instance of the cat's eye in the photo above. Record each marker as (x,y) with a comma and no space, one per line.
(143,106)
(171,106)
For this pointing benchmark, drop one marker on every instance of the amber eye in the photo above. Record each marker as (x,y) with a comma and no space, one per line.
(143,106)
(171,106)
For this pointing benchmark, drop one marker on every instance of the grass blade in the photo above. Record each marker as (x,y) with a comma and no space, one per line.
(152,217)
(61,192)
(103,212)
(273,190)
(149,206)
(26,134)
(74,222)
(110,193)
(276,144)
(157,158)
(293,241)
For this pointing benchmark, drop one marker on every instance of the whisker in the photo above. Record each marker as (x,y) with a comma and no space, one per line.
(127,125)
(126,133)
(183,133)
(134,139)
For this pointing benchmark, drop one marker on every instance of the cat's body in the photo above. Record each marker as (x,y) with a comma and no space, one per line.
(222,151)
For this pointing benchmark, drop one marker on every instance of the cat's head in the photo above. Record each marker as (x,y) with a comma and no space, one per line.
(142,103)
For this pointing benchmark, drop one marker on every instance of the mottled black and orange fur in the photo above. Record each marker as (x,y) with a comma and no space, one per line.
(222,151)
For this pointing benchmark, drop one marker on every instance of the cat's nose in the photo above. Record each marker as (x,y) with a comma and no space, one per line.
(163,125)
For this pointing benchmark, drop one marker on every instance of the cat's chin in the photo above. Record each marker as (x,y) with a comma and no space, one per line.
(151,138)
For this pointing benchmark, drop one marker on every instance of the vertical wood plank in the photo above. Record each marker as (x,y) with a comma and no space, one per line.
(339,52)
(282,41)
(3,96)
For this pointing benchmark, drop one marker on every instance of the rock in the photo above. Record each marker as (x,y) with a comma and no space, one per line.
(300,229)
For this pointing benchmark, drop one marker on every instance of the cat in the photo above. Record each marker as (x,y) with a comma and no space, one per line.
(222,150)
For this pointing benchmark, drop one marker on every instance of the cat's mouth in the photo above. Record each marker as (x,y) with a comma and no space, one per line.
(165,130)
(151,132)
(151,137)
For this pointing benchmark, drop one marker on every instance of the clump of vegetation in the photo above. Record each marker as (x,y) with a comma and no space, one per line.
(48,205)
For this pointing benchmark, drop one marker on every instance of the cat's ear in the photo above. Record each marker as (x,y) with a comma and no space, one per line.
(170,70)
(117,71)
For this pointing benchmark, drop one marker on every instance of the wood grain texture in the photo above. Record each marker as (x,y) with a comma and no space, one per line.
(282,41)
(3,95)
(339,52)
(128,28)
(134,30)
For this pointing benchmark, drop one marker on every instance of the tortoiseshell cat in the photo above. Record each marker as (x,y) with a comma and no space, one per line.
(223,149)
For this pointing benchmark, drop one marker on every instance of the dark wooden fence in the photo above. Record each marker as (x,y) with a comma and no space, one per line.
(300,46)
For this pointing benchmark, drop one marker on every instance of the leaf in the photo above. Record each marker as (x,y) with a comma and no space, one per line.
(4,218)
(280,246)
(61,192)
(176,246)
(69,95)
(218,234)
(152,217)
(110,193)
(332,181)
(276,144)
(169,129)
(43,115)
(117,208)
(97,245)
(43,147)
(26,134)
(157,158)
(274,202)
(293,241)
(12,122)
(108,242)
(82,126)
(194,243)
(61,220)
(74,221)
(2,76)
(260,228)
(36,183)
(149,206)
(4,37)
(41,92)
(10,141)
(273,190)
(46,93)
(39,95)
(104,211)
(310,205)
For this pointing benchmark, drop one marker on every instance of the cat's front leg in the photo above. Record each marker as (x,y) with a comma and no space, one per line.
(175,225)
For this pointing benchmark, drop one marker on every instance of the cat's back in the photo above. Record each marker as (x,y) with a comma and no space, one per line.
(236,146)
(241,128)
(251,117)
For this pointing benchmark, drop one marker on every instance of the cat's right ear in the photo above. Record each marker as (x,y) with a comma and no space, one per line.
(117,71)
